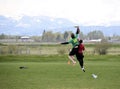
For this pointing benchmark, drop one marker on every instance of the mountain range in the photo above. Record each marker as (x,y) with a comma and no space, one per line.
(35,25)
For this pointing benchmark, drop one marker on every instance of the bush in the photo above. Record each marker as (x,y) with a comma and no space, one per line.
(101,48)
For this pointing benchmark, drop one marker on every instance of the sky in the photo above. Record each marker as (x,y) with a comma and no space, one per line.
(85,12)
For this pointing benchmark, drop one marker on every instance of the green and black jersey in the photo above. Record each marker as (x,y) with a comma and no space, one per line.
(74,41)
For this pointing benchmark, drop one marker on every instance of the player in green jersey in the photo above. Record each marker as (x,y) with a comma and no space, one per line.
(75,42)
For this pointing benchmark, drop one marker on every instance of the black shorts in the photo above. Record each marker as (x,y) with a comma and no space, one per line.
(74,51)
(80,56)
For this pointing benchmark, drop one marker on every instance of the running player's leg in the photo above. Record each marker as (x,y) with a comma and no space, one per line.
(82,62)
(78,56)
(80,59)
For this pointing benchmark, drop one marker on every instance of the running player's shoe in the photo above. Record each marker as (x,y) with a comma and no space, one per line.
(83,69)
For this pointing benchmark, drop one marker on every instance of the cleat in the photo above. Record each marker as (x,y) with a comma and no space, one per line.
(68,62)
(83,69)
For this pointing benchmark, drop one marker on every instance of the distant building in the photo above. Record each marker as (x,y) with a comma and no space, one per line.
(114,41)
(93,40)
(25,38)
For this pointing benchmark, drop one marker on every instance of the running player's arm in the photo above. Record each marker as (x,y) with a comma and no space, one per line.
(83,47)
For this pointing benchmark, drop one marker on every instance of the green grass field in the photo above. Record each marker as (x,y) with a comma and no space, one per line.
(53,72)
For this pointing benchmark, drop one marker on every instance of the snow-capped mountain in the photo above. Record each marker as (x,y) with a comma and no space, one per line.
(36,25)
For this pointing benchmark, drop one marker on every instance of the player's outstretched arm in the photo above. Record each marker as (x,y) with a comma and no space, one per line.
(78,30)
(64,43)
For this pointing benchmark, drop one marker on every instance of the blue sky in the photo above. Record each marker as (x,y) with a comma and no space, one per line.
(86,12)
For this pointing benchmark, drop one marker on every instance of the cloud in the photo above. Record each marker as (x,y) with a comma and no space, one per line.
(23,25)
(79,11)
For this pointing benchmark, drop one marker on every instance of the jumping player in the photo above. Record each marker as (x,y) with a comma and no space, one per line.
(80,55)
(75,42)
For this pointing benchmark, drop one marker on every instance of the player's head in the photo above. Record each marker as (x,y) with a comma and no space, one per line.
(81,41)
(72,35)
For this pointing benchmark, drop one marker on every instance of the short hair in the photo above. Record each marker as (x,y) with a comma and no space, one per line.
(81,41)
(72,35)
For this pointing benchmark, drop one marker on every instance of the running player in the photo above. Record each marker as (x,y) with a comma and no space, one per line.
(80,55)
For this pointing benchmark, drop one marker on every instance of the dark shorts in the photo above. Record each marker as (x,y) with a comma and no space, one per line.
(80,56)
(73,51)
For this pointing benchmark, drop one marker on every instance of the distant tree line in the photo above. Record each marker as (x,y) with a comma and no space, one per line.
(4,36)
(49,36)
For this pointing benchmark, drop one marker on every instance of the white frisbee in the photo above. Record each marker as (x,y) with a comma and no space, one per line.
(94,76)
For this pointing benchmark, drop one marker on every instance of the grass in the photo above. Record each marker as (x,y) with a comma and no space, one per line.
(52,72)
